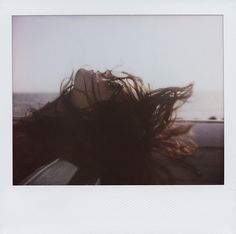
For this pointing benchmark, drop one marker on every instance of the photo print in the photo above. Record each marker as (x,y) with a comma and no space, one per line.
(118,100)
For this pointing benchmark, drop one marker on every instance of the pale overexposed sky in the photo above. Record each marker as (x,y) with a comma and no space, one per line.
(164,50)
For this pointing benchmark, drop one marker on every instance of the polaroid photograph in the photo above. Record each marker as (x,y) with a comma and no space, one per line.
(117,118)
(118,100)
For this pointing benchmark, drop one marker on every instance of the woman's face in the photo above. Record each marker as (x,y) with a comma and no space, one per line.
(90,87)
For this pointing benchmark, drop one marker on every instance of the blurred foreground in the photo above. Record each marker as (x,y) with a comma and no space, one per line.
(207,161)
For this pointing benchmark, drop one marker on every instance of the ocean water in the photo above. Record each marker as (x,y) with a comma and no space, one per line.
(201,106)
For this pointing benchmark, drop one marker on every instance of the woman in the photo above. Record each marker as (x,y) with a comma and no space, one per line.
(114,129)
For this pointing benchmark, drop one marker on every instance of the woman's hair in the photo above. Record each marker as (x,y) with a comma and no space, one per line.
(119,140)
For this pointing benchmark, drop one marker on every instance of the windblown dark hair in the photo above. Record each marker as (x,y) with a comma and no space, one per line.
(120,140)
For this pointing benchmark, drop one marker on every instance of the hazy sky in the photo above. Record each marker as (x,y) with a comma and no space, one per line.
(163,50)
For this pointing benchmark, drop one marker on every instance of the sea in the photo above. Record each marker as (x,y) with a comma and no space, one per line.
(202,105)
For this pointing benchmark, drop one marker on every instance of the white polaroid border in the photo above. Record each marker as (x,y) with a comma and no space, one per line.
(117,209)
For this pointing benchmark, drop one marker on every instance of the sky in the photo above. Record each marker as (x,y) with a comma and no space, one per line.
(162,50)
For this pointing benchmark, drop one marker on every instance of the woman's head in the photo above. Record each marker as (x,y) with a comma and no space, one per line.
(90,87)
(113,125)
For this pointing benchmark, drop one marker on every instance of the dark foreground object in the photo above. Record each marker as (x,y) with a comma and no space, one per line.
(208,161)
